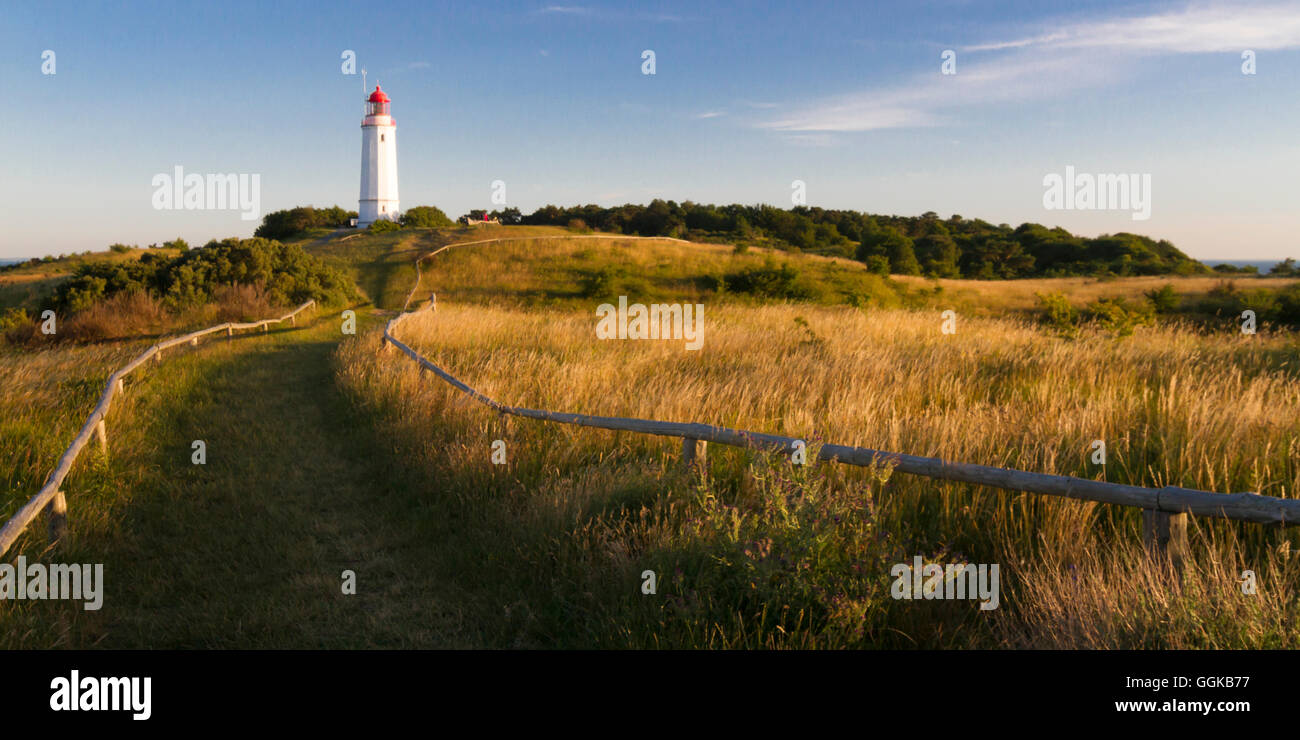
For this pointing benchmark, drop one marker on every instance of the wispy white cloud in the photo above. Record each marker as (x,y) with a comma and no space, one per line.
(1016,44)
(709,114)
(1052,60)
(1193,29)
(933,99)
(567,10)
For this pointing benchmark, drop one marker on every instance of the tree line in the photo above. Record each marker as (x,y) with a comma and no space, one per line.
(954,247)
(900,245)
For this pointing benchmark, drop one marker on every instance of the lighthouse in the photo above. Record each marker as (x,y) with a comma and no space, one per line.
(378,162)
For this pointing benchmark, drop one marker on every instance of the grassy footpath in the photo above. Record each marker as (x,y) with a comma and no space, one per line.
(248,550)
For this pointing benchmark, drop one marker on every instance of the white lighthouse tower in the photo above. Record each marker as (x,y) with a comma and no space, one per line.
(378,162)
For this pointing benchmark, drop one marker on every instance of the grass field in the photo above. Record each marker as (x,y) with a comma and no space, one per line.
(762,555)
(326,455)
(1000,297)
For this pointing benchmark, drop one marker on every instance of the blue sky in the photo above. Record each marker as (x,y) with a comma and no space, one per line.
(747,97)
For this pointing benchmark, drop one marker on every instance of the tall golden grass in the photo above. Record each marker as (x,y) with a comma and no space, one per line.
(1174,407)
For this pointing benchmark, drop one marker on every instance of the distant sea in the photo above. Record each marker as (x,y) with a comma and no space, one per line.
(11,262)
(1263,265)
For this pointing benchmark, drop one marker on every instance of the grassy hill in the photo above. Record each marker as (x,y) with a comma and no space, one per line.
(326,455)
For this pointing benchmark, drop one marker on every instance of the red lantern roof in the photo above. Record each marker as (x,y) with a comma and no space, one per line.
(378,96)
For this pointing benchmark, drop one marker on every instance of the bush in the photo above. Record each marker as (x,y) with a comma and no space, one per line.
(96,280)
(288,274)
(284,224)
(11,318)
(878,264)
(119,248)
(579,226)
(600,283)
(1117,317)
(772,281)
(383,225)
(1288,305)
(425,217)
(1285,268)
(1058,313)
(1163,300)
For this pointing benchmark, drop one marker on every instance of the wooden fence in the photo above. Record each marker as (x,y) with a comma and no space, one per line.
(51,497)
(1165,509)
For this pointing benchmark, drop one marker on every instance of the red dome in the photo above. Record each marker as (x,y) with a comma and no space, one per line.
(378,96)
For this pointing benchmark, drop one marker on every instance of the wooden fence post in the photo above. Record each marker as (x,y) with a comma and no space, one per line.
(1165,532)
(121,387)
(294,319)
(230,332)
(58,516)
(101,433)
(694,453)
(194,342)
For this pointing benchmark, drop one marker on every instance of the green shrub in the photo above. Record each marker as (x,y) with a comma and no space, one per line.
(12,317)
(284,224)
(1164,299)
(383,225)
(1058,313)
(1117,317)
(425,217)
(600,283)
(289,275)
(771,280)
(878,264)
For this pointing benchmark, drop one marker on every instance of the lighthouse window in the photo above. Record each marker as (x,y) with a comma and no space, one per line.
(381,137)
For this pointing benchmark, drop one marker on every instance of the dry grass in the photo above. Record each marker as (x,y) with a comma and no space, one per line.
(44,400)
(1175,408)
(137,314)
(999,297)
(1217,412)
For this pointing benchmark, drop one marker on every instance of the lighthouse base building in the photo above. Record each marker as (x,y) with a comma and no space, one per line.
(378,162)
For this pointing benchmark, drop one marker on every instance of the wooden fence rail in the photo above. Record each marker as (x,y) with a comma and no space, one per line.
(1165,509)
(51,496)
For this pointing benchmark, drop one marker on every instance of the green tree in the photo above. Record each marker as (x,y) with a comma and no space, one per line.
(426,217)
